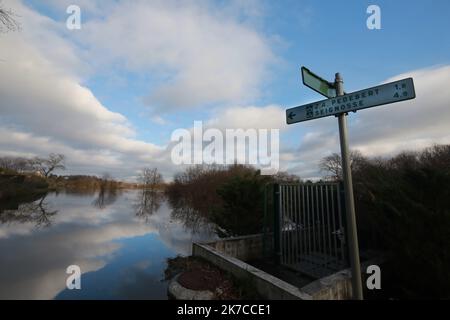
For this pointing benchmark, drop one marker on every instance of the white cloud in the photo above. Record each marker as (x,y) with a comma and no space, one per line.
(199,54)
(45,108)
(268,117)
(159,120)
(204,55)
(413,124)
(47,37)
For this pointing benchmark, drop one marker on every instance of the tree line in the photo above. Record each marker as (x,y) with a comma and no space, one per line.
(403,210)
(231,196)
(39,165)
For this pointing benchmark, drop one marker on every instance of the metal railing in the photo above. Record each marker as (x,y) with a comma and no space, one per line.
(309,227)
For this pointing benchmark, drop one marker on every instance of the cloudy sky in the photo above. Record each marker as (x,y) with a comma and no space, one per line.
(110,95)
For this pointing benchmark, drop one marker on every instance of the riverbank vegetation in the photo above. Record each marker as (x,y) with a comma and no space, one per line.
(21,177)
(232,197)
(403,211)
(24,186)
(402,206)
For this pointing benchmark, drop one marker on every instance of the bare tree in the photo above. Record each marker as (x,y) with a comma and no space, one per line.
(332,164)
(47,166)
(16,164)
(8,21)
(151,179)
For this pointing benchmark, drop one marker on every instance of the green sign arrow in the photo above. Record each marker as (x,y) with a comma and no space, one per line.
(318,84)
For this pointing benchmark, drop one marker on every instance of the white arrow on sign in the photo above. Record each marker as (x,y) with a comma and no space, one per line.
(318,84)
(386,93)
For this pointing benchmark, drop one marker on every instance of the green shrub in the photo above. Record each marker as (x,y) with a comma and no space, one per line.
(403,211)
(242,211)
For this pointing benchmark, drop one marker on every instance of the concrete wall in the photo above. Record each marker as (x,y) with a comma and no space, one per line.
(337,286)
(245,248)
(230,254)
(268,286)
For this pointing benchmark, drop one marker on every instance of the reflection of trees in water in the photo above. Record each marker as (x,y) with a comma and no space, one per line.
(37,212)
(192,219)
(106,196)
(147,203)
(78,192)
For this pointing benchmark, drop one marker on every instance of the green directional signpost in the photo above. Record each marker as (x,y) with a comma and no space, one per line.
(318,84)
(339,104)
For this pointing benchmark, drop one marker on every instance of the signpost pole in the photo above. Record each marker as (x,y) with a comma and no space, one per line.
(339,104)
(349,200)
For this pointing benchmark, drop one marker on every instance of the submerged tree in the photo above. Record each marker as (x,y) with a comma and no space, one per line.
(151,179)
(107,193)
(147,203)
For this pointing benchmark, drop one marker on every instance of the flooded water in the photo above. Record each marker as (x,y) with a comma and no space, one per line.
(120,242)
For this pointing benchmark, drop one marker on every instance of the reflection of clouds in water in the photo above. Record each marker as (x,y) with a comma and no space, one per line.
(138,284)
(174,232)
(142,265)
(34,260)
(75,211)
(39,262)
(22,229)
